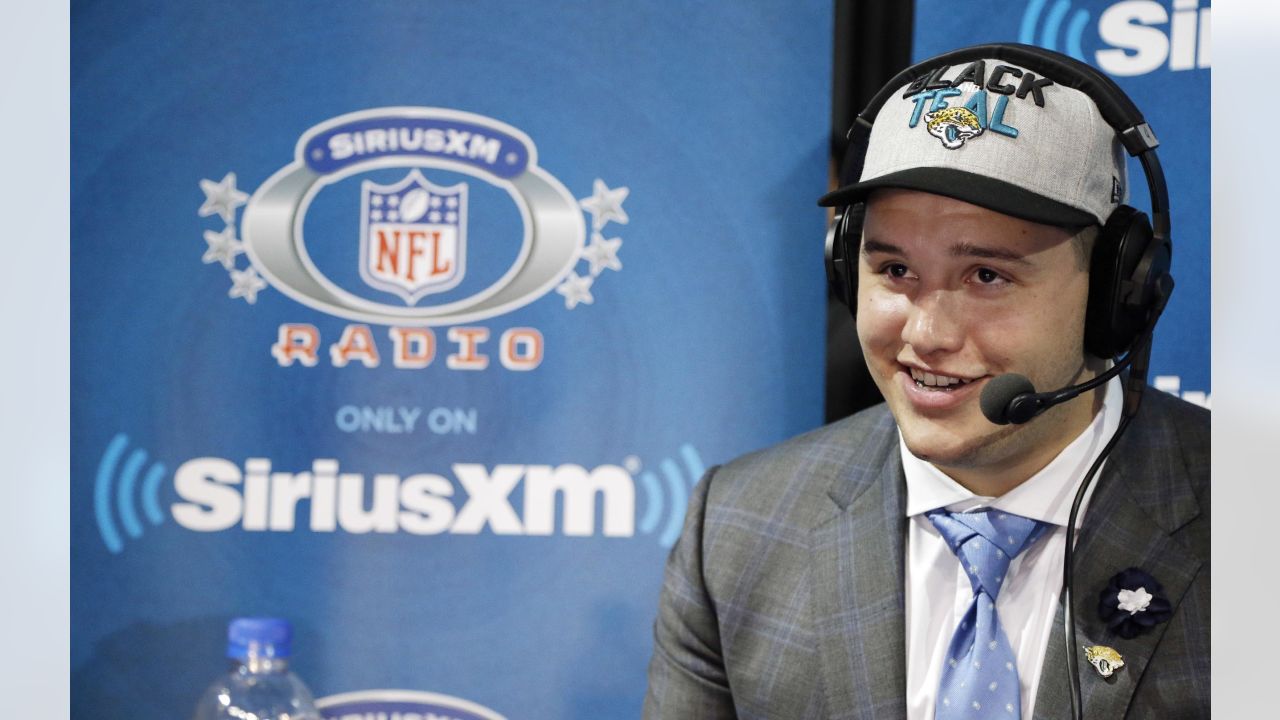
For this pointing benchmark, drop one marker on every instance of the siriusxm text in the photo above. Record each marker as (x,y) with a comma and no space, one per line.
(218,495)
(1172,384)
(442,141)
(1139,44)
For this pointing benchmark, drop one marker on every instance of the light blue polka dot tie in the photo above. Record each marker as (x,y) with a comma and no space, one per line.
(980,672)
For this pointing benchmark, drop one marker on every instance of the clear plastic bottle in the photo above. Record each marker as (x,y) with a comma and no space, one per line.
(259,685)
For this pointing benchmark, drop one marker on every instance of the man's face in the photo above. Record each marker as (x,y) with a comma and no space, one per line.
(951,295)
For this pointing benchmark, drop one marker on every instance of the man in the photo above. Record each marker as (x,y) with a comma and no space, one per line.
(870,568)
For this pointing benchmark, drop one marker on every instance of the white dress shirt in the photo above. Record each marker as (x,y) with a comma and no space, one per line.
(937,590)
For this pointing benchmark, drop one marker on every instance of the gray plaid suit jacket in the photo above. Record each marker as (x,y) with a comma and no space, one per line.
(784,596)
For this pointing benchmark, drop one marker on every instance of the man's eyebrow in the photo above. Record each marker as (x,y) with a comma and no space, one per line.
(870,246)
(958,250)
(964,249)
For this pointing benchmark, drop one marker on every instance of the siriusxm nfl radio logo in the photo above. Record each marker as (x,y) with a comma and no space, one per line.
(413,236)
(413,233)
(413,254)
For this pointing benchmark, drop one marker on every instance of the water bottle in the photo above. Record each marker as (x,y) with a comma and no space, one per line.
(259,685)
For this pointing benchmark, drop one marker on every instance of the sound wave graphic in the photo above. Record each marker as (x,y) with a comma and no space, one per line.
(678,485)
(149,492)
(1052,25)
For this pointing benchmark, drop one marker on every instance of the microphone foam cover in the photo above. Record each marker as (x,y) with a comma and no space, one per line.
(998,393)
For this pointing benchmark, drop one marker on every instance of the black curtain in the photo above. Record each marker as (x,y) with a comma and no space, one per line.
(872,43)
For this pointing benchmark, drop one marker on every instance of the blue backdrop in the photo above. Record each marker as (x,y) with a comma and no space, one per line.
(415,322)
(1159,53)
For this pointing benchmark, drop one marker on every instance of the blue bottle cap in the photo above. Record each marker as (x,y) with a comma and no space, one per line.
(262,637)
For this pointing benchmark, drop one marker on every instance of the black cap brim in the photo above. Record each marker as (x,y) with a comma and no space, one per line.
(980,190)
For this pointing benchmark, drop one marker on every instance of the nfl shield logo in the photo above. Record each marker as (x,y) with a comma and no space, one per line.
(413,236)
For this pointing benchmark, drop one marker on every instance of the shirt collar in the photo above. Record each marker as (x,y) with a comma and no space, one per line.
(1045,496)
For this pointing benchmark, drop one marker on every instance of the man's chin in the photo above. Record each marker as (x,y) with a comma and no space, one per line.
(954,449)
(939,454)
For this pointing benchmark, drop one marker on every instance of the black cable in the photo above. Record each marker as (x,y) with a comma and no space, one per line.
(1140,359)
(1068,616)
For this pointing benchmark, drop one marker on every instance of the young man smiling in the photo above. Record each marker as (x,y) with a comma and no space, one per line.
(907,561)
(942,313)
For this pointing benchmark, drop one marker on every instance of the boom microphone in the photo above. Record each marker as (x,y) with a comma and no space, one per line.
(1011,398)
(1002,399)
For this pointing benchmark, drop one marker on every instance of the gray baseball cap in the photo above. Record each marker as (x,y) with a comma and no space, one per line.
(998,135)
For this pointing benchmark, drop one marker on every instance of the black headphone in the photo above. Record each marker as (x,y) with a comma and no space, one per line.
(1131,255)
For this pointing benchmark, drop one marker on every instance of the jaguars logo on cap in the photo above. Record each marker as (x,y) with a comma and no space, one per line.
(953,126)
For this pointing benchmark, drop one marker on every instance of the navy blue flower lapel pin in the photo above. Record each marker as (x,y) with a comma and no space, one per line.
(1132,603)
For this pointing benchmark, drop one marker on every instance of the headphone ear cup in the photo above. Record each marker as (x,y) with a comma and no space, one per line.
(834,259)
(841,254)
(1126,263)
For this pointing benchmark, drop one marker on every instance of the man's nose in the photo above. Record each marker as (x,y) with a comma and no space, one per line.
(935,323)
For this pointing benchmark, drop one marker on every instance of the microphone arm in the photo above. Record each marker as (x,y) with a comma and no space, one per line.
(1025,406)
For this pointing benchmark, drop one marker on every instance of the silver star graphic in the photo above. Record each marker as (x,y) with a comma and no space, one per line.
(222,198)
(605,205)
(223,247)
(602,253)
(576,290)
(246,284)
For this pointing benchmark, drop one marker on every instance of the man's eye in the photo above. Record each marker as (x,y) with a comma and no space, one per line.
(987,276)
(895,270)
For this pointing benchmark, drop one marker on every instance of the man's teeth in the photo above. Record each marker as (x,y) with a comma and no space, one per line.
(928,379)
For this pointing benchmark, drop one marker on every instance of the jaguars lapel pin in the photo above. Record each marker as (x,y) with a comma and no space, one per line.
(1103,659)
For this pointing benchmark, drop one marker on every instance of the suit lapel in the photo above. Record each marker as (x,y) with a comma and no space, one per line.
(1121,532)
(858,586)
